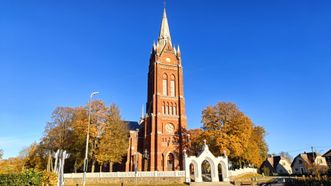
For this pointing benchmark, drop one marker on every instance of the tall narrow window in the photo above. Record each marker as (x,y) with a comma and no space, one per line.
(167,109)
(162,109)
(175,110)
(165,87)
(172,88)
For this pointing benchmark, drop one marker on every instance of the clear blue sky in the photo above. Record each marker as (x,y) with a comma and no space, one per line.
(271,58)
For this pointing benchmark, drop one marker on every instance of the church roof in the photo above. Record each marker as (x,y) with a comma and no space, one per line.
(164,36)
(132,125)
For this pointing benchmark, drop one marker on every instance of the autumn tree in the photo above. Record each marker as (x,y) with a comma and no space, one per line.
(68,129)
(228,130)
(113,139)
(11,166)
(99,119)
(34,156)
(59,134)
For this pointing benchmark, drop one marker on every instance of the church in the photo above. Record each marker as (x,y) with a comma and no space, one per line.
(156,143)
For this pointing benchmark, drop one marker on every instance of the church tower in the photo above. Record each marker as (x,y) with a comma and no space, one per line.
(165,116)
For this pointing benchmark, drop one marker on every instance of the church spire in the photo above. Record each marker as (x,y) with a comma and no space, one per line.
(164,36)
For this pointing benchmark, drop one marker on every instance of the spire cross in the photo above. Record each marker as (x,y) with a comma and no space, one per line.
(164,4)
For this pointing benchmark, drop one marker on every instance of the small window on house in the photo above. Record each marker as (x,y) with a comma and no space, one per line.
(300,161)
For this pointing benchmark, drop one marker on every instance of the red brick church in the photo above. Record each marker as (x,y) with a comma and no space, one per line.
(156,143)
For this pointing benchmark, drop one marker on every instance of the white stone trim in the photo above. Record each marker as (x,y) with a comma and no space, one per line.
(213,161)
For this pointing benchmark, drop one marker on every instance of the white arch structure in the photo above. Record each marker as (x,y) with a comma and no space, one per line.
(212,160)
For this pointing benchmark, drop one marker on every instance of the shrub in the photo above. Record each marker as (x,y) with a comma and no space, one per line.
(28,177)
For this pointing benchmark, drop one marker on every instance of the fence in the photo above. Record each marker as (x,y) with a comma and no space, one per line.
(242,171)
(127,174)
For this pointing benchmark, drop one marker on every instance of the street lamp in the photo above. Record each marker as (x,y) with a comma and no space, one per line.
(88,136)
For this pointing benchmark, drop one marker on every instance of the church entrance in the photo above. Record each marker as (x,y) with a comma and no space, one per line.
(206,167)
(170,162)
(220,176)
(192,176)
(206,171)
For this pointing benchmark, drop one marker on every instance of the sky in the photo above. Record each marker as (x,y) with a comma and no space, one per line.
(271,58)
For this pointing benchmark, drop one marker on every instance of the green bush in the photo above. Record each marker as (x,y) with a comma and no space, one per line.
(308,182)
(28,177)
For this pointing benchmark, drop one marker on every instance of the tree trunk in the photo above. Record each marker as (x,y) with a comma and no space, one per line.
(75,166)
(101,167)
(110,166)
(93,166)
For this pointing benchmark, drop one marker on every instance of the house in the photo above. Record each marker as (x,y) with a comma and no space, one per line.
(327,157)
(304,163)
(276,165)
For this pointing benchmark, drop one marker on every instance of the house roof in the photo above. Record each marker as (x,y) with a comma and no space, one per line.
(132,125)
(327,154)
(307,157)
(274,160)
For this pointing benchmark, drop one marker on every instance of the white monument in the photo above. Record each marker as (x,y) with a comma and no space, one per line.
(212,160)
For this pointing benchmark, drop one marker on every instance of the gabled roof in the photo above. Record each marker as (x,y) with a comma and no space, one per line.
(307,157)
(274,160)
(327,154)
(132,125)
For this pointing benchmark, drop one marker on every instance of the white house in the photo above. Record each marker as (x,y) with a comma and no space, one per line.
(284,167)
(303,161)
(276,165)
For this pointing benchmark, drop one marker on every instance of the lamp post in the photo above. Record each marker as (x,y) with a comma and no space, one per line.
(87,136)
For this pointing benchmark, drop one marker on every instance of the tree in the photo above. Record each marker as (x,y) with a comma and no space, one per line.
(68,130)
(1,154)
(228,130)
(11,166)
(113,139)
(287,156)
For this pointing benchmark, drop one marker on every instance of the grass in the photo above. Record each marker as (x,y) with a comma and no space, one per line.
(251,177)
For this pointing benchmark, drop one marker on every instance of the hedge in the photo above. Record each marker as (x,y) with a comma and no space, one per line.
(308,182)
(28,177)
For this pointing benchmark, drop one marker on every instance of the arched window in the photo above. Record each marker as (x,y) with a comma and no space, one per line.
(170,162)
(175,110)
(167,109)
(172,86)
(165,85)
(163,108)
(171,110)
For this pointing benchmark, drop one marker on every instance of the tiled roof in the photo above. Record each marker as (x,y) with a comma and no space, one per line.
(327,154)
(132,125)
(274,160)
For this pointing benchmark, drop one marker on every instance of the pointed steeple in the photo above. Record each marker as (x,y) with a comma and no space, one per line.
(164,36)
